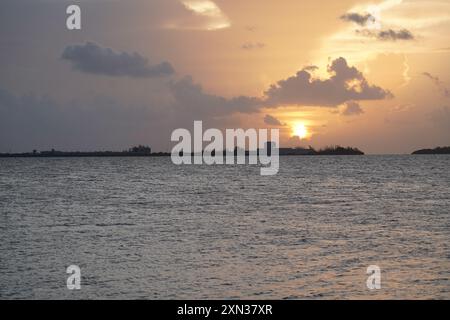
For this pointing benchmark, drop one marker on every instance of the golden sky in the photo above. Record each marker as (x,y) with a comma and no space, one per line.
(370,74)
(281,38)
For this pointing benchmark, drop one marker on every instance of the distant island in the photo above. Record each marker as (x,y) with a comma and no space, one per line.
(438,150)
(145,151)
(327,151)
(138,151)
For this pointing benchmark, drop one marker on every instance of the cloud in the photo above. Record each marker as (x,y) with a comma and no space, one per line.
(94,59)
(190,97)
(438,83)
(344,84)
(360,19)
(392,35)
(272,121)
(388,35)
(204,15)
(252,45)
(372,28)
(30,122)
(352,108)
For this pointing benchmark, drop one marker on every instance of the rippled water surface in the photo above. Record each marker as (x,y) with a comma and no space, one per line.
(144,228)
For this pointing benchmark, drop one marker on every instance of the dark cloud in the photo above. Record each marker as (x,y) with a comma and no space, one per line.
(383,35)
(30,122)
(190,97)
(392,35)
(360,19)
(388,35)
(438,83)
(272,121)
(352,108)
(92,58)
(345,84)
(253,45)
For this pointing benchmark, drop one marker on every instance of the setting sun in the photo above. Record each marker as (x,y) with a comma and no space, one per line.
(300,130)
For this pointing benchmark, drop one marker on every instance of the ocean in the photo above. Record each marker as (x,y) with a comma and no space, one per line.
(143,228)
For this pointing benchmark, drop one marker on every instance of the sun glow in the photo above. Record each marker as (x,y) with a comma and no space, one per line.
(300,130)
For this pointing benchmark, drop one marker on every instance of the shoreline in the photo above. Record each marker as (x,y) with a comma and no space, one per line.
(161,155)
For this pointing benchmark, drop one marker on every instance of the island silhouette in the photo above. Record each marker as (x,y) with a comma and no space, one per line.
(146,151)
(438,150)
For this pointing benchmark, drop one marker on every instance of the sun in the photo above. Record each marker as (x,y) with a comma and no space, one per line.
(300,130)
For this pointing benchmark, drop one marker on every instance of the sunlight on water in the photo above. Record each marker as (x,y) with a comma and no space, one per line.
(144,228)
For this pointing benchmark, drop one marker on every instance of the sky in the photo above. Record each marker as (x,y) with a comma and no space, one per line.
(368,74)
